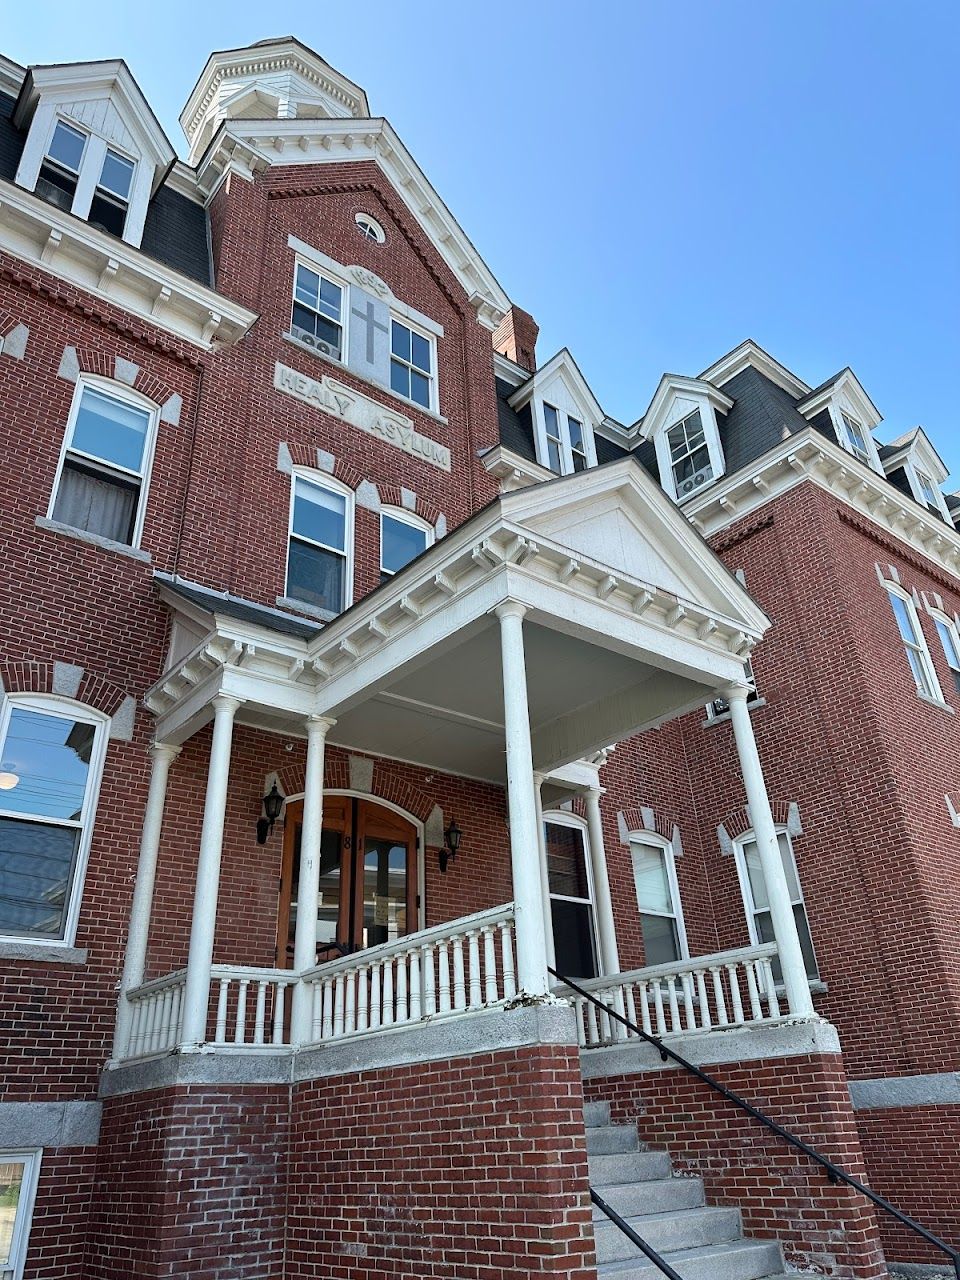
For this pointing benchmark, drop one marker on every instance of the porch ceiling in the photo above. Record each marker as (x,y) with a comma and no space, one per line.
(631,620)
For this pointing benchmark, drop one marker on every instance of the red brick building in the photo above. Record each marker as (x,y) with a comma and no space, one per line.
(362,678)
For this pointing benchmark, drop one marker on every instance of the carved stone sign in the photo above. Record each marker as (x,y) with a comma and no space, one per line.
(360,411)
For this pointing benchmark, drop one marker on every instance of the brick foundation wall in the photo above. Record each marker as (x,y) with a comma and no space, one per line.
(470,1168)
(60,1214)
(190,1181)
(911,1157)
(825,1229)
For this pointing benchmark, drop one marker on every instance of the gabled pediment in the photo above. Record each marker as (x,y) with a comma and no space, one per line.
(674,398)
(916,446)
(617,517)
(561,370)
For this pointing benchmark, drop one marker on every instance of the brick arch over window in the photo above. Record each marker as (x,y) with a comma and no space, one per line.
(644,818)
(305,455)
(391,495)
(120,369)
(385,785)
(737,823)
(63,679)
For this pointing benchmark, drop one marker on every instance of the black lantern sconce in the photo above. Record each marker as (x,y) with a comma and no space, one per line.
(451,838)
(272,804)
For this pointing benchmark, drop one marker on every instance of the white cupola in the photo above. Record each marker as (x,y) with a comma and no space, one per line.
(276,79)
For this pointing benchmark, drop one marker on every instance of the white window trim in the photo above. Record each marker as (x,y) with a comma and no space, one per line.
(342,284)
(711,433)
(65,708)
(651,840)
(922,648)
(837,408)
(746,892)
(360,218)
(564,818)
(117,391)
(324,481)
(913,475)
(25,1205)
(403,516)
(566,452)
(953,630)
(88,178)
(434,379)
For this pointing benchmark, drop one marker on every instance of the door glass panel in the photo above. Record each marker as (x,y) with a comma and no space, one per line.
(328,913)
(573,941)
(384,891)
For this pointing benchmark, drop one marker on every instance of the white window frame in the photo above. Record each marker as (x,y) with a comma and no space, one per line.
(934,693)
(649,840)
(30,1159)
(564,818)
(366,220)
(126,395)
(915,473)
(323,481)
(433,380)
(943,622)
(711,433)
(837,412)
(332,278)
(65,709)
(564,414)
(403,516)
(91,168)
(750,908)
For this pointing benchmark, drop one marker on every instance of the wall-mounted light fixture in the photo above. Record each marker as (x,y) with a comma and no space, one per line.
(451,838)
(272,804)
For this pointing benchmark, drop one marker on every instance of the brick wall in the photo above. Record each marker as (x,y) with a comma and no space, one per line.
(825,1229)
(60,1214)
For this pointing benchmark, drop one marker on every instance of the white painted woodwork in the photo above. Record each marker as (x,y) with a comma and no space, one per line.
(308,888)
(162,756)
(538,781)
(203,927)
(795,981)
(602,901)
(521,802)
(707,993)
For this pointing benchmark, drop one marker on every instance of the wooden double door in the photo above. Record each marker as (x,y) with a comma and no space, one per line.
(368,878)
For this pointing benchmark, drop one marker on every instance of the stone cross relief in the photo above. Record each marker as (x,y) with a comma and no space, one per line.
(368,317)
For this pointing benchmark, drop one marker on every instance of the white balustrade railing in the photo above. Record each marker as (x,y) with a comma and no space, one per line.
(155,1021)
(707,993)
(250,1005)
(452,968)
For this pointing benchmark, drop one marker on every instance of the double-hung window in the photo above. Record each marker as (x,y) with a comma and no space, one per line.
(689,454)
(19,1171)
(918,655)
(60,169)
(950,639)
(757,903)
(318,311)
(402,538)
(320,545)
(50,762)
(111,198)
(929,493)
(412,364)
(105,464)
(571,900)
(566,441)
(855,438)
(658,898)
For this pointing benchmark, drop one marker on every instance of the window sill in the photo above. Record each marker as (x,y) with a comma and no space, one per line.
(308,610)
(725,715)
(935,702)
(93,539)
(41,952)
(380,387)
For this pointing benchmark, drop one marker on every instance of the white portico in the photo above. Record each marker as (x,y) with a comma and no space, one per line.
(557,621)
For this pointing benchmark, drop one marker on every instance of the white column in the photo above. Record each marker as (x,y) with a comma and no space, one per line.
(308,886)
(162,755)
(197,993)
(603,904)
(544,873)
(768,849)
(532,977)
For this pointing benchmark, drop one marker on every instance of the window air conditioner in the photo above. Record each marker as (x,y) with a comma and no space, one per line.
(695,481)
(54,195)
(317,344)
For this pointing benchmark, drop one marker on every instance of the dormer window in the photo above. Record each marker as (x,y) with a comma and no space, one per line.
(855,439)
(689,455)
(108,209)
(929,492)
(566,444)
(60,170)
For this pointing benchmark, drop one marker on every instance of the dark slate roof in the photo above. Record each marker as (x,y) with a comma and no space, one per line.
(516,429)
(175,233)
(763,414)
(235,607)
(11,139)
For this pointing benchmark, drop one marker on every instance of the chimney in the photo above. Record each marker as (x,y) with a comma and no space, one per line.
(516,338)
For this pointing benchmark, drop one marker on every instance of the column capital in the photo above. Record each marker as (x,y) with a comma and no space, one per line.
(163,751)
(511,609)
(594,793)
(226,702)
(736,692)
(319,725)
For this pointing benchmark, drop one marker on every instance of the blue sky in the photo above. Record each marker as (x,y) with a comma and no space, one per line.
(653,181)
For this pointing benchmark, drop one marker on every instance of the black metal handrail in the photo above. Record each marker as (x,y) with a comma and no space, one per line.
(629,1232)
(833,1171)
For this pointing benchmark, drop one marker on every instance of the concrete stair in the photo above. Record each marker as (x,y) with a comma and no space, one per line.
(700,1241)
